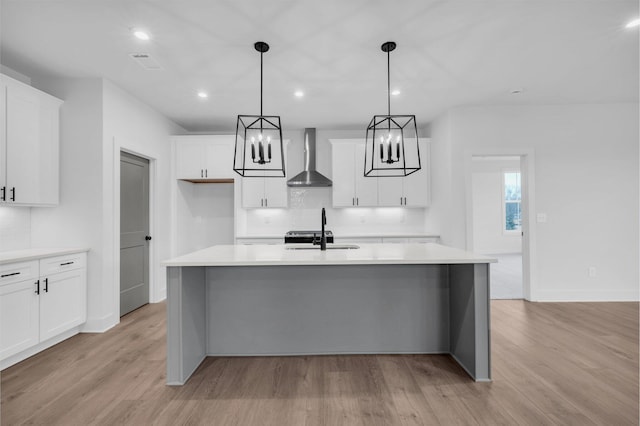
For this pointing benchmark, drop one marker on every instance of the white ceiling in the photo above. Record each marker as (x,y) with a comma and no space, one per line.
(449,53)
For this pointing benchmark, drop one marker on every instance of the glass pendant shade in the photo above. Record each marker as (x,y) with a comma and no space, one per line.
(259,150)
(392,140)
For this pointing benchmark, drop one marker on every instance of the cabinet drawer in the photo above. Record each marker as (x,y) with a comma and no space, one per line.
(68,262)
(16,272)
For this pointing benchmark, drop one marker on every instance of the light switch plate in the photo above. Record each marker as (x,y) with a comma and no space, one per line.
(541,217)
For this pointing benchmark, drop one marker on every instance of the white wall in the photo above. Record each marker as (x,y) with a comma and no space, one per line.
(488,216)
(204,215)
(97,120)
(77,220)
(586,181)
(15,228)
(130,125)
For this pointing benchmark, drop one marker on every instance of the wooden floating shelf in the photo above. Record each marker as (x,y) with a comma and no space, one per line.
(228,180)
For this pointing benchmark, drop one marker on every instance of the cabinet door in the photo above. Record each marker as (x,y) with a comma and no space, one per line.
(63,302)
(275,192)
(18,317)
(3,140)
(31,145)
(189,160)
(219,160)
(342,157)
(417,190)
(366,187)
(390,191)
(252,192)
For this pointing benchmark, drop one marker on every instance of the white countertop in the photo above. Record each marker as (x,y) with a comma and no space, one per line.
(341,235)
(278,254)
(34,254)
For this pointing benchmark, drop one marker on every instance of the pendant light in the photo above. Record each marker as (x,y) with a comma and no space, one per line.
(392,140)
(259,149)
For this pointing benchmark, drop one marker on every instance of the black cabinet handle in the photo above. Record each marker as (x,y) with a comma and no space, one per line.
(66,263)
(3,197)
(10,275)
(13,193)
(46,285)
(37,283)
(206,172)
(201,173)
(148,238)
(405,201)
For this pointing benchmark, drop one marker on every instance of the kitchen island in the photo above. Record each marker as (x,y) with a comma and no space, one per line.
(249,300)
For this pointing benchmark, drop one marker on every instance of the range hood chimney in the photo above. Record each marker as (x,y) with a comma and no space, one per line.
(309,177)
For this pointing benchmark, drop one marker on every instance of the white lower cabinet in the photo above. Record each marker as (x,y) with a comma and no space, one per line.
(40,300)
(19,317)
(62,302)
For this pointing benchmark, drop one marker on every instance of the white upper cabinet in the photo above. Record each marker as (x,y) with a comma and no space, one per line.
(201,158)
(268,192)
(350,187)
(408,191)
(29,145)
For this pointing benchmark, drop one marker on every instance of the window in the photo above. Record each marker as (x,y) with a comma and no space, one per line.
(512,195)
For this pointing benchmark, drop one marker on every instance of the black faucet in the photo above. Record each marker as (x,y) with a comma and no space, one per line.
(322,241)
(323,236)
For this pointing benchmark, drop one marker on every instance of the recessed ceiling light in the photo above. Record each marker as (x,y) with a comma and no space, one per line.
(516,91)
(633,24)
(298,93)
(141,35)
(395,92)
(203,95)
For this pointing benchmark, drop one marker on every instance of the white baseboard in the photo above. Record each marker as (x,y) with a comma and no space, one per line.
(99,325)
(21,356)
(586,296)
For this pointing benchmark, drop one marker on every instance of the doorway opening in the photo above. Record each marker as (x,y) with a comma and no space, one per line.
(134,232)
(497,220)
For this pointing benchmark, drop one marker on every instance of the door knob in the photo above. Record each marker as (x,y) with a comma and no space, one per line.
(148,238)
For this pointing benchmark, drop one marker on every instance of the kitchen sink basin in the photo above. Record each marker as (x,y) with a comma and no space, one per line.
(329,247)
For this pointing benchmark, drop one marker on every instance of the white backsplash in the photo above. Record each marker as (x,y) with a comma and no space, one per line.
(15,228)
(304,214)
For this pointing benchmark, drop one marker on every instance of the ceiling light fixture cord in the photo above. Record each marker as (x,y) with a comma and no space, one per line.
(389,82)
(261,53)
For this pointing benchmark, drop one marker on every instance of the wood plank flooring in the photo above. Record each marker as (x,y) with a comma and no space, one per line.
(553,363)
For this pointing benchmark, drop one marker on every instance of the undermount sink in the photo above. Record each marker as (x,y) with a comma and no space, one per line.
(329,247)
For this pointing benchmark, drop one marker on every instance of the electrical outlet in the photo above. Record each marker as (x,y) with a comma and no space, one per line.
(592,271)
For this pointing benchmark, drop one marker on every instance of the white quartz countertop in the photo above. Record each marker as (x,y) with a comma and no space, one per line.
(281,254)
(36,253)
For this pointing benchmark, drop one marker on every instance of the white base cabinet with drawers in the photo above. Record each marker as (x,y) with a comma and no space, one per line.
(42,302)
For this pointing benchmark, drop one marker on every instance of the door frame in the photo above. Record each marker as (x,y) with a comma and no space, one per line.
(153,291)
(527,170)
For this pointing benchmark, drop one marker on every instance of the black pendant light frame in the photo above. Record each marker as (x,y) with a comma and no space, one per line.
(250,160)
(392,160)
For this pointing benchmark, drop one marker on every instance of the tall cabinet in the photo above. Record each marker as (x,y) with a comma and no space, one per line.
(29,145)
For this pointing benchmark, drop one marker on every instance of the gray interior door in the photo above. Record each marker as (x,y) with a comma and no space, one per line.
(134,232)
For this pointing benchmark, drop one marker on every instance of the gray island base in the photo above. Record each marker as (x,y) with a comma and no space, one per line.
(380,299)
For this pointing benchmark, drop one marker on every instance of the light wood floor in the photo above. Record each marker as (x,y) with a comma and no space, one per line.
(553,363)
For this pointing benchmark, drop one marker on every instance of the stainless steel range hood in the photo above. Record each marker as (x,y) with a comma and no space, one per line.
(309,177)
